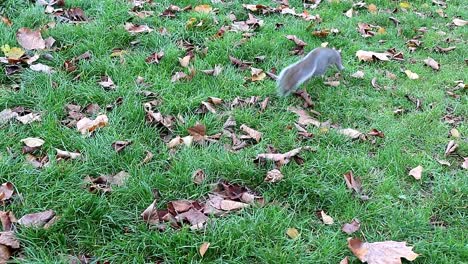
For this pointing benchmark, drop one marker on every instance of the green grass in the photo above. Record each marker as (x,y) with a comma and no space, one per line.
(400,208)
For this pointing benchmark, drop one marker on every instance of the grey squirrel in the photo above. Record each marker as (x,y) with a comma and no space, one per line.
(313,64)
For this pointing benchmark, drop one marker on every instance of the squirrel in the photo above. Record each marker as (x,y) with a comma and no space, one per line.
(313,64)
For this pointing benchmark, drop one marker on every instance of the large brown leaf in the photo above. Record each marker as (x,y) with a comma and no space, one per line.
(387,252)
(29,39)
(37,219)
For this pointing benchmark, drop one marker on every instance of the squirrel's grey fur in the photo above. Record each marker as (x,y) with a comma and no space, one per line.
(313,64)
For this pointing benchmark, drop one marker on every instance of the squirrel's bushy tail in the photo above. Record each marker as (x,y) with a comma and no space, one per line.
(287,81)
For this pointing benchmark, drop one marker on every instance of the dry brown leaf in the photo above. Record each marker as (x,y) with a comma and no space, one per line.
(229,205)
(349,13)
(304,117)
(459,22)
(39,67)
(371,56)
(372,8)
(345,260)
(451,147)
(29,39)
(37,162)
(203,9)
(464,165)
(37,219)
(416,172)
(432,63)
(292,233)
(178,75)
(27,119)
(88,126)
(7,219)
(184,62)
(155,57)
(352,227)
(6,191)
(257,74)
(203,248)
(251,132)
(281,159)
(215,72)
(150,215)
(389,252)
(273,176)
(62,154)
(358,74)
(198,176)
(6,115)
(149,156)
(455,133)
(352,133)
(353,183)
(198,132)
(33,142)
(328,220)
(135,29)
(412,75)
(107,83)
(120,145)
(443,162)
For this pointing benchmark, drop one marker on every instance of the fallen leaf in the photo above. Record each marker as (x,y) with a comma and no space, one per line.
(432,63)
(352,133)
(273,176)
(371,56)
(119,145)
(358,74)
(150,215)
(455,133)
(352,227)
(416,172)
(215,72)
(251,132)
(37,162)
(464,165)
(326,218)
(29,39)
(203,9)
(6,21)
(135,29)
(155,57)
(28,118)
(37,219)
(257,74)
(7,219)
(353,183)
(6,191)
(412,75)
(203,248)
(12,53)
(376,133)
(443,162)
(149,156)
(198,176)
(405,5)
(304,117)
(33,142)
(349,13)
(381,252)
(184,62)
(88,126)
(451,147)
(107,83)
(62,154)
(372,8)
(444,50)
(229,205)
(280,159)
(345,260)
(39,67)
(292,233)
(178,75)
(459,22)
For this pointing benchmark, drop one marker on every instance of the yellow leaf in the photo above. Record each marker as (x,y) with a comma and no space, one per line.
(12,53)
(292,233)
(190,22)
(405,5)
(372,8)
(412,75)
(118,53)
(381,31)
(203,248)
(203,9)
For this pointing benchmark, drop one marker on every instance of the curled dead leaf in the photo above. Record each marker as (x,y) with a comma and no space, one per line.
(381,252)
(371,56)
(352,227)
(292,233)
(29,39)
(88,126)
(37,219)
(198,176)
(416,172)
(273,176)
(203,248)
(432,63)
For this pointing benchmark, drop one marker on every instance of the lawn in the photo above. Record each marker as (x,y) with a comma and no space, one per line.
(429,214)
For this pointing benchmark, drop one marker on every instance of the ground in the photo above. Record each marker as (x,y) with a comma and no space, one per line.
(109,226)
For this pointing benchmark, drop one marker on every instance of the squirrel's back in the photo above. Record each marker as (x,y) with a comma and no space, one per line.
(315,63)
